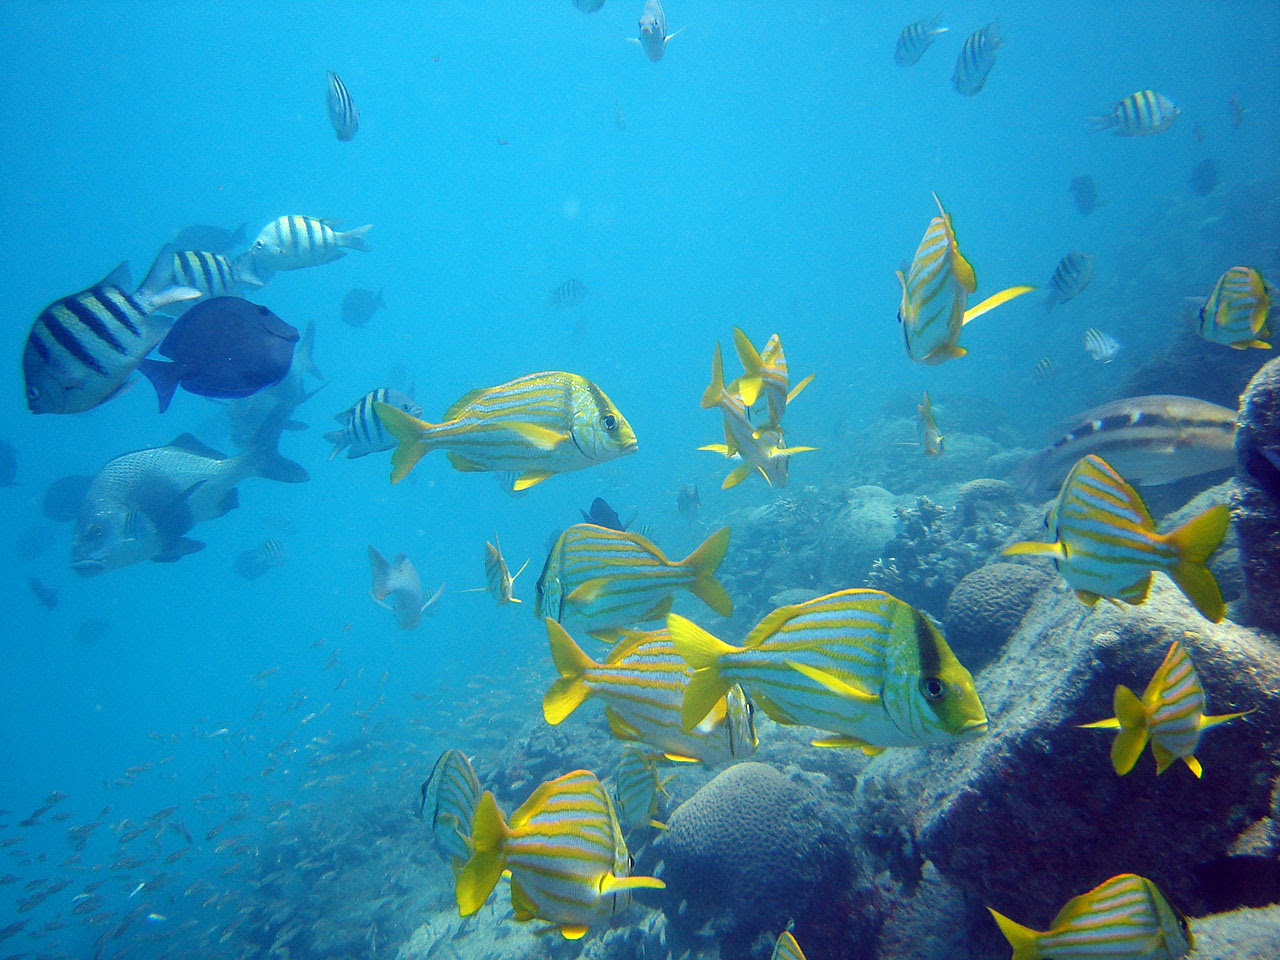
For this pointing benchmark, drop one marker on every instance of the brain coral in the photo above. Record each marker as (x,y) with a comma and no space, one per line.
(987,606)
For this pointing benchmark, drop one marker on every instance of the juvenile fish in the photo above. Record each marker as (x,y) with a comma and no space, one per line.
(1140,114)
(1102,347)
(930,436)
(1070,277)
(915,39)
(502,583)
(653,30)
(569,294)
(342,112)
(359,306)
(362,432)
(293,242)
(397,587)
(976,59)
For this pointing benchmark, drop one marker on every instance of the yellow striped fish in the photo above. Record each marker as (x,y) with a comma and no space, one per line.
(860,664)
(1170,714)
(1138,115)
(1124,918)
(642,683)
(935,288)
(613,578)
(1236,313)
(502,582)
(636,785)
(765,373)
(931,437)
(453,802)
(539,425)
(565,852)
(1106,545)
(786,948)
(758,449)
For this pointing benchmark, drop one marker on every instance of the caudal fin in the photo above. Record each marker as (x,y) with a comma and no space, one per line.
(1134,722)
(354,238)
(995,300)
(702,651)
(1194,541)
(566,694)
(164,376)
(479,875)
(304,356)
(381,569)
(267,461)
(408,430)
(1022,939)
(715,390)
(703,562)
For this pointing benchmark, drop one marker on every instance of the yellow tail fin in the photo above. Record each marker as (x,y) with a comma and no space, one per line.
(408,430)
(752,365)
(795,391)
(1132,716)
(711,396)
(566,694)
(1022,939)
(479,875)
(701,651)
(703,563)
(1194,541)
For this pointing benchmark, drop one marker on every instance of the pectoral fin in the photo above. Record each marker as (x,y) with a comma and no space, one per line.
(833,683)
(529,479)
(541,437)
(588,592)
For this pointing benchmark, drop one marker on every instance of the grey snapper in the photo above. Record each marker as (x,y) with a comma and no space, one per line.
(1149,440)
(141,505)
(398,587)
(653,30)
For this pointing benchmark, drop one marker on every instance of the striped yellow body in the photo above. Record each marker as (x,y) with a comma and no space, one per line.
(786,948)
(764,375)
(457,791)
(1236,313)
(636,787)
(501,583)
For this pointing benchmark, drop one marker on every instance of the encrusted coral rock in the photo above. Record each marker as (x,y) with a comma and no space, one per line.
(1256,504)
(1238,935)
(986,607)
(857,535)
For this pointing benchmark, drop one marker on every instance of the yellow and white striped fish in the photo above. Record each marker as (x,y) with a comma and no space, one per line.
(293,242)
(758,449)
(213,274)
(860,664)
(935,288)
(1138,115)
(786,948)
(636,785)
(502,582)
(1124,918)
(565,852)
(642,684)
(453,802)
(931,437)
(1106,545)
(765,373)
(1170,714)
(1236,312)
(614,578)
(537,426)
(343,115)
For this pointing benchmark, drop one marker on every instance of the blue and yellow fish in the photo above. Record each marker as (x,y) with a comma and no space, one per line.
(1170,714)
(1106,545)
(564,849)
(859,664)
(931,437)
(1124,918)
(502,582)
(539,425)
(1236,312)
(636,786)
(786,948)
(935,288)
(456,793)
(765,374)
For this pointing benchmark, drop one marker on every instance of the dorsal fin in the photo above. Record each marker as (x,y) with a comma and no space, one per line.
(189,444)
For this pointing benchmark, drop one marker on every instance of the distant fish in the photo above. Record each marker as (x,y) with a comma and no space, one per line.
(976,59)
(1084,192)
(1140,114)
(603,515)
(293,242)
(1236,112)
(502,582)
(569,294)
(688,502)
(931,437)
(1197,131)
(213,274)
(45,594)
(210,238)
(83,348)
(92,630)
(359,306)
(1235,314)
(1044,370)
(1204,177)
(253,563)
(1070,277)
(362,432)
(653,30)
(397,587)
(786,948)
(619,118)
(342,112)
(915,39)
(8,464)
(1102,347)
(588,6)
(452,790)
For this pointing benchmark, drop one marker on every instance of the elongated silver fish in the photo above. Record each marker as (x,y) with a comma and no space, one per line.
(362,432)
(342,112)
(1070,277)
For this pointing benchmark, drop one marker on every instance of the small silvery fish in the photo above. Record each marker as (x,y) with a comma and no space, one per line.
(359,306)
(213,274)
(564,849)
(252,564)
(502,582)
(1204,177)
(1084,192)
(569,294)
(1236,111)
(537,426)
(636,785)
(653,30)
(930,436)
(1236,312)
(1124,918)
(82,349)
(765,374)
(935,288)
(1170,714)
(1102,347)
(1138,115)
(293,242)
(786,948)
(1070,277)
(342,112)
(1105,543)
(398,588)
(976,59)
(453,790)
(859,664)
(688,502)
(1044,370)
(642,684)
(362,432)
(915,39)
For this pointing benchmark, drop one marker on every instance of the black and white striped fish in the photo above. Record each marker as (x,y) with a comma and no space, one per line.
(1072,275)
(362,432)
(976,59)
(294,242)
(1101,346)
(83,348)
(342,112)
(213,274)
(569,294)
(916,39)
(1138,115)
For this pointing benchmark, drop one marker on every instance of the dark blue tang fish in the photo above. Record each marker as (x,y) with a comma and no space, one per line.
(603,515)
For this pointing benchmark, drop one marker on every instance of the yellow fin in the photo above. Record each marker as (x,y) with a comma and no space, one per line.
(715,390)
(788,451)
(752,365)
(1029,548)
(940,354)
(773,711)
(543,438)
(749,389)
(611,884)
(736,476)
(701,651)
(530,478)
(870,749)
(717,448)
(566,694)
(605,636)
(660,609)
(479,875)
(406,429)
(1131,715)
(1194,766)
(620,729)
(795,391)
(464,464)
(1024,940)
(1194,541)
(1164,758)
(659,825)
(587,592)
(995,300)
(573,931)
(834,683)
(681,758)
(521,904)
(464,401)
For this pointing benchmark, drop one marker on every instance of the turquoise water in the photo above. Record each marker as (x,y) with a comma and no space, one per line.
(775,168)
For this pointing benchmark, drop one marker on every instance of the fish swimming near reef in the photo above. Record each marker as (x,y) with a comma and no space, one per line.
(977,57)
(915,39)
(859,664)
(642,684)
(653,30)
(359,305)
(398,588)
(1140,114)
(636,786)
(1084,191)
(362,432)
(294,242)
(343,115)
(603,515)
(1170,715)
(1105,543)
(765,374)
(931,437)
(502,582)
(538,425)
(1150,440)
(564,849)
(1101,347)
(209,238)
(452,789)
(786,948)
(1070,277)
(1235,314)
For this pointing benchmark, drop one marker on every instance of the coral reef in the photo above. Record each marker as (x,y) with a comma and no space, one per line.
(986,607)
(1238,935)
(1256,503)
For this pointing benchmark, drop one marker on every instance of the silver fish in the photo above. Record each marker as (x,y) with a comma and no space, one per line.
(1150,440)
(342,112)
(976,59)
(362,431)
(249,416)
(398,587)
(653,30)
(1070,277)
(294,242)
(1101,346)
(915,39)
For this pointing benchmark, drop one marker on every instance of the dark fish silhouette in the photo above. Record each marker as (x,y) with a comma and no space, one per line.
(359,306)
(569,294)
(253,563)
(45,594)
(602,515)
(1204,178)
(688,502)
(209,238)
(1227,883)
(63,497)
(1085,193)
(8,464)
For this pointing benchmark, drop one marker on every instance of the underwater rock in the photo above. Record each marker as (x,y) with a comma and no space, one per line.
(986,607)
(856,536)
(1256,504)
(986,501)
(1238,935)
(930,924)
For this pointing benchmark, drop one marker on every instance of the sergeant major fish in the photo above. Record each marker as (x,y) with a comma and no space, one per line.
(362,432)
(915,39)
(1102,347)
(977,57)
(1140,114)
(398,588)
(1235,314)
(343,114)
(213,274)
(293,242)
(1070,277)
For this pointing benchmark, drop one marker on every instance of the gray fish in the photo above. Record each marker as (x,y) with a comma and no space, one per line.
(976,59)
(82,349)
(247,417)
(1150,441)
(1070,277)
(45,594)
(688,502)
(1084,192)
(588,6)
(362,431)
(915,39)
(569,294)
(359,306)
(398,588)
(141,505)
(342,112)
(213,239)
(1204,178)
(253,563)
(653,30)
(294,242)
(63,497)
(8,464)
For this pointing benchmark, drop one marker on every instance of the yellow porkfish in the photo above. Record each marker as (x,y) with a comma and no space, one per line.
(765,374)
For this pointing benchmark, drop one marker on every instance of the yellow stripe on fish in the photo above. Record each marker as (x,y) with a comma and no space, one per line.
(931,437)
(613,578)
(538,425)
(1106,545)
(1124,918)
(935,289)
(502,583)
(765,374)
(642,684)
(636,785)
(564,850)
(1236,312)
(457,791)
(859,664)
(786,948)
(1170,714)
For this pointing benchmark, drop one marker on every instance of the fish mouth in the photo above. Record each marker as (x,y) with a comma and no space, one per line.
(971,729)
(89,567)
(630,447)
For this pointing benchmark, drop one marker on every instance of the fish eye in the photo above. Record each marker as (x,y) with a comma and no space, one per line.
(610,422)
(932,688)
